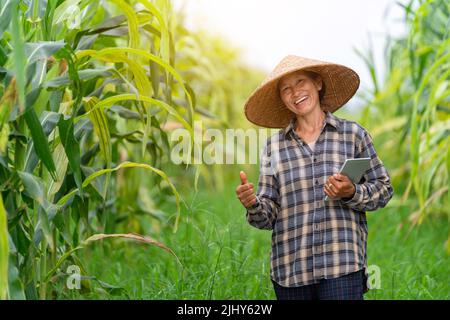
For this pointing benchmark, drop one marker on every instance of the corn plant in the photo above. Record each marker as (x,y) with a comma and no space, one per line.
(410,112)
(221,81)
(85,88)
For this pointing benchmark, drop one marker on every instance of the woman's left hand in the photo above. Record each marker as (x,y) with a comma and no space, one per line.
(339,186)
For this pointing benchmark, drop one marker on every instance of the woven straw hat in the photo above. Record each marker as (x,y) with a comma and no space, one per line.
(265,108)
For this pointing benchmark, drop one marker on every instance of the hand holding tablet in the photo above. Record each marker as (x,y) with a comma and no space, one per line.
(354,169)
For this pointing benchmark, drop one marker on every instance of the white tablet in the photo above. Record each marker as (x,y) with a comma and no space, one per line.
(354,169)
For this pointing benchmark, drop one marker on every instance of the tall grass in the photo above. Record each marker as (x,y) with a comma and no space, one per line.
(225,258)
(409,114)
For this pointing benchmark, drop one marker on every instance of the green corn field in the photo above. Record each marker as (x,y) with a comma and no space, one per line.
(90,92)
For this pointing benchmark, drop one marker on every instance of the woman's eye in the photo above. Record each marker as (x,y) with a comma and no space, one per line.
(299,80)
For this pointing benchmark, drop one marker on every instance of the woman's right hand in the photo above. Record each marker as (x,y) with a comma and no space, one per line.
(245,192)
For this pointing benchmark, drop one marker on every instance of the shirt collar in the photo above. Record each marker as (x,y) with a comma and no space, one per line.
(330,119)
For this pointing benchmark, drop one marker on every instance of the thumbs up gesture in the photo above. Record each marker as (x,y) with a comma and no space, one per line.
(245,191)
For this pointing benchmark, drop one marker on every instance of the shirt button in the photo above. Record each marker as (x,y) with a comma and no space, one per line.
(315,160)
(316,227)
(317,182)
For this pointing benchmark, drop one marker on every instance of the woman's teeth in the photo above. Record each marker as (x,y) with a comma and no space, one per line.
(300,100)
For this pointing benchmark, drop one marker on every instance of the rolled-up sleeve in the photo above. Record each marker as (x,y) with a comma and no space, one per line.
(263,214)
(376,190)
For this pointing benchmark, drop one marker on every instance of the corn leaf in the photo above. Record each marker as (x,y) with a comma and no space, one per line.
(84,75)
(61,163)
(4,251)
(98,119)
(72,149)
(132,22)
(41,50)
(124,97)
(127,164)
(16,288)
(19,54)
(34,187)
(40,141)
(5,16)
(103,54)
(165,38)
(49,121)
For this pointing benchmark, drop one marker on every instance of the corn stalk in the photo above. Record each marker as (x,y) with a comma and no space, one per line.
(81,94)
(412,110)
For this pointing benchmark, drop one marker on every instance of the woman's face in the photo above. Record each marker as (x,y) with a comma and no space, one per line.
(300,92)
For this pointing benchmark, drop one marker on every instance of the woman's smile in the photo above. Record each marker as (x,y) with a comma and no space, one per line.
(301,101)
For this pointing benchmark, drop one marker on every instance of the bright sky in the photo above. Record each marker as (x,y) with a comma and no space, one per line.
(268,30)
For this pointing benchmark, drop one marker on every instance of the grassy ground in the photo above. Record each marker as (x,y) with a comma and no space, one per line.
(225,258)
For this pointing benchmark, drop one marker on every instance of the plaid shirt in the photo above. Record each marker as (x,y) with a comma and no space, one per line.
(312,238)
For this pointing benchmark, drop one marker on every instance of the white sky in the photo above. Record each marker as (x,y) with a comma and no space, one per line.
(268,30)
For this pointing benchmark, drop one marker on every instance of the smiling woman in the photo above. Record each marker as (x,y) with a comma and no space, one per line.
(299,89)
(294,180)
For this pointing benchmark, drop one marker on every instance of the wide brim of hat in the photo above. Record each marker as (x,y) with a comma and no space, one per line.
(265,108)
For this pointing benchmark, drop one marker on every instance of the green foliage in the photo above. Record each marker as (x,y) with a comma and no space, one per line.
(88,92)
(61,65)
(4,252)
(225,258)
(409,115)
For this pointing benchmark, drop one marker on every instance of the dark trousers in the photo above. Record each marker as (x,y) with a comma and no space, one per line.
(347,287)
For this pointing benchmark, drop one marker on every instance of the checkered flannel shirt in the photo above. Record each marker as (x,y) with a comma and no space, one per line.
(314,239)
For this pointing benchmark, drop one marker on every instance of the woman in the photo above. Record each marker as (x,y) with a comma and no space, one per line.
(318,246)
